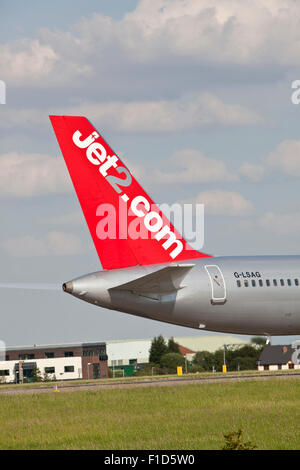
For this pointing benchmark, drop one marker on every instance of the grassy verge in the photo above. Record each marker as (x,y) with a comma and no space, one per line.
(189,417)
(70,383)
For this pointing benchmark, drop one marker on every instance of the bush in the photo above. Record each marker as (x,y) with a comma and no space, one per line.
(193,369)
(171,361)
(36,375)
(233,441)
(146,370)
(205,360)
(243,363)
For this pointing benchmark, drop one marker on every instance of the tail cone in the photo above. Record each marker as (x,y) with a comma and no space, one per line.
(68,287)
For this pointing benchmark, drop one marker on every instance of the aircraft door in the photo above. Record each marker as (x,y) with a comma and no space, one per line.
(217,282)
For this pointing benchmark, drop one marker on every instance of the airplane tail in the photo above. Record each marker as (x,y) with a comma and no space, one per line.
(106,190)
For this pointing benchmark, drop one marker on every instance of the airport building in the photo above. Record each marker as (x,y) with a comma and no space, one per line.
(210,343)
(92,360)
(280,357)
(55,362)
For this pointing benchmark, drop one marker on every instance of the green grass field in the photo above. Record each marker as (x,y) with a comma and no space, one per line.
(173,417)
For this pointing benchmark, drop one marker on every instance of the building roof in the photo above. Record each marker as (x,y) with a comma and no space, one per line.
(55,346)
(137,348)
(277,354)
(183,350)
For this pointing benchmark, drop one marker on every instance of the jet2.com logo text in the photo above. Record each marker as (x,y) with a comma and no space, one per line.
(122,222)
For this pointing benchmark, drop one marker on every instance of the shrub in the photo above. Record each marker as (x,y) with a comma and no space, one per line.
(171,361)
(233,441)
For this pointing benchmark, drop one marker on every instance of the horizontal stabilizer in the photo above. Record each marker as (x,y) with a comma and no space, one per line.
(164,280)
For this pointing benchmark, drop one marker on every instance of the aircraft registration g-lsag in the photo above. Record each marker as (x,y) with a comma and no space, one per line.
(161,277)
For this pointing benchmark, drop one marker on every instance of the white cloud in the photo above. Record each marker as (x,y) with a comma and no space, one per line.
(281,224)
(221,202)
(61,243)
(186,113)
(252,171)
(26,60)
(260,32)
(53,243)
(26,175)
(192,166)
(183,114)
(286,157)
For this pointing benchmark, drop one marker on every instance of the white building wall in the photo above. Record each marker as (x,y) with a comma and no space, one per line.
(275,367)
(123,351)
(58,363)
(209,343)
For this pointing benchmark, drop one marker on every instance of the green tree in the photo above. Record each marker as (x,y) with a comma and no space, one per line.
(243,357)
(246,351)
(158,349)
(243,363)
(171,361)
(46,377)
(205,360)
(219,358)
(36,375)
(259,341)
(173,347)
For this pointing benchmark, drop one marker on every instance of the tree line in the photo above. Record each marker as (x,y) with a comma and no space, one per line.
(165,357)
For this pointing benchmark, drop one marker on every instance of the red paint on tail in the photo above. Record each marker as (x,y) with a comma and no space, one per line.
(102,182)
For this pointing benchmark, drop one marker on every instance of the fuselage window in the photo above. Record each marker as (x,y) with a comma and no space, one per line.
(296,282)
(238,283)
(246,283)
(282,282)
(260,282)
(267,283)
(289,282)
(275,282)
(253,283)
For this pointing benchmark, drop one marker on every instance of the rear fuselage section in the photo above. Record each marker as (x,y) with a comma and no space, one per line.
(246,295)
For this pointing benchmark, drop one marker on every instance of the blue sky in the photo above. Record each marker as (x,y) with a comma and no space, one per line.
(206,85)
(23,19)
